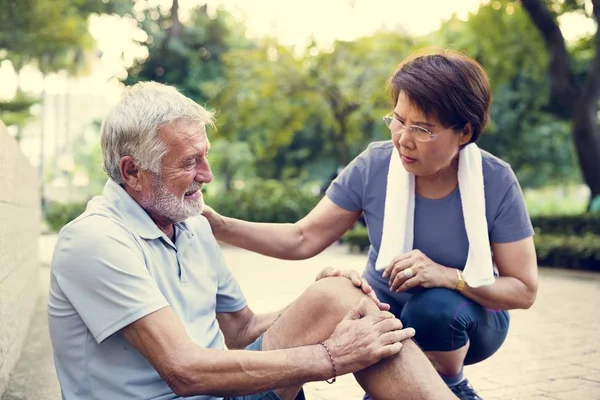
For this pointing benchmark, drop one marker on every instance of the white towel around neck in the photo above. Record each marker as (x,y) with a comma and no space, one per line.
(398,220)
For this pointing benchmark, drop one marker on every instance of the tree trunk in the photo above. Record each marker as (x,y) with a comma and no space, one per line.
(586,136)
(343,150)
(175,30)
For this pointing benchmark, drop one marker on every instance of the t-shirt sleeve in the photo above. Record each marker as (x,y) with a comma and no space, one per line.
(512,221)
(347,190)
(102,272)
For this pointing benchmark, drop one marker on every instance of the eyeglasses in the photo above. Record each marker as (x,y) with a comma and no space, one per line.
(418,133)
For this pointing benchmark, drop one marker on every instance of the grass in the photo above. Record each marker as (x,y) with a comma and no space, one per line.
(565,200)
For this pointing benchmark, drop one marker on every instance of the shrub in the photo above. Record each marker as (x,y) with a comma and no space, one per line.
(568,224)
(265,201)
(564,251)
(60,214)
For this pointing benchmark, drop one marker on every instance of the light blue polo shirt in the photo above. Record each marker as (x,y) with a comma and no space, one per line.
(112,265)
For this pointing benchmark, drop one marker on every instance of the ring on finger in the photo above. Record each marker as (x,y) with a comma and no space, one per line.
(408,273)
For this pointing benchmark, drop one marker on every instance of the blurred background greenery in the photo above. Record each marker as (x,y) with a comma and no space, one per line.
(290,116)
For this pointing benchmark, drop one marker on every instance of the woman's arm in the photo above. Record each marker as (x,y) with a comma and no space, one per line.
(325,224)
(517,285)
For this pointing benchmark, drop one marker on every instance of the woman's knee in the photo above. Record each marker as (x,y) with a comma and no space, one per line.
(435,315)
(430,308)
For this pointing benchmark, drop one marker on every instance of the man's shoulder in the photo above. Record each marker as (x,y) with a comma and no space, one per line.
(97,219)
(94,231)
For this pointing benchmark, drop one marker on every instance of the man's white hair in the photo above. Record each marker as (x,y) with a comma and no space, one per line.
(131,127)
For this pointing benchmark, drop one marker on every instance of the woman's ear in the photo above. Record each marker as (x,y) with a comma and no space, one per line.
(466,134)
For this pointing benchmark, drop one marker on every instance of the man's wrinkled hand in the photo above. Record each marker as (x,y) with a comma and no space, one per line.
(356,280)
(364,337)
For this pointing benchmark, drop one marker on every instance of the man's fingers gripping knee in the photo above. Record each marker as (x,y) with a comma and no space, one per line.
(390,343)
(360,310)
(388,324)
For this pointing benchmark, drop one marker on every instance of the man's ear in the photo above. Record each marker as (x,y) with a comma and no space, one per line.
(466,134)
(130,173)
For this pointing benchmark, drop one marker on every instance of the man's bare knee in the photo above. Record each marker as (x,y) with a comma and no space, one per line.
(314,316)
(335,296)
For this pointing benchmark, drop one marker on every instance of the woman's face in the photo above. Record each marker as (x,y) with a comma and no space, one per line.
(425,158)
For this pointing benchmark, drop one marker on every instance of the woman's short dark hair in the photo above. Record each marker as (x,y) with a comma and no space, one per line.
(448,85)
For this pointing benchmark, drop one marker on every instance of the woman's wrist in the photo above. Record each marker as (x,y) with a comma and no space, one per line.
(451,278)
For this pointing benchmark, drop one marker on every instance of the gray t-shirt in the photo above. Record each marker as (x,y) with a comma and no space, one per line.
(439,229)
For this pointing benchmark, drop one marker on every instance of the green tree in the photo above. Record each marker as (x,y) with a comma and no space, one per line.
(187,55)
(576,99)
(314,107)
(535,143)
(230,161)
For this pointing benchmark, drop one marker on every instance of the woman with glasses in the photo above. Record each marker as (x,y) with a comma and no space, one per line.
(441,103)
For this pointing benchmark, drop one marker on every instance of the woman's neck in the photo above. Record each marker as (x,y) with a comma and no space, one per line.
(440,184)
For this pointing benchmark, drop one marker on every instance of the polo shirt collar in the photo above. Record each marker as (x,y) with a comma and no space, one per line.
(135,216)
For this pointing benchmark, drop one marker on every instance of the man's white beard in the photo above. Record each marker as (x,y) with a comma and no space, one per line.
(162,203)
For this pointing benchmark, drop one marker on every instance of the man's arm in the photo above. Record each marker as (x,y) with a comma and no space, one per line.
(360,340)
(189,369)
(243,327)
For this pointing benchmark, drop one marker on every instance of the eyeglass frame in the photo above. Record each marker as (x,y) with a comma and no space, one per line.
(432,135)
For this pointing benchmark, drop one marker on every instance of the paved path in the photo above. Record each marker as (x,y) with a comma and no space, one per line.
(552,351)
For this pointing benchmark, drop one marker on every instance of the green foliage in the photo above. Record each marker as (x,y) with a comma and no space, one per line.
(189,58)
(595,205)
(565,251)
(357,238)
(16,111)
(231,160)
(537,144)
(58,214)
(297,109)
(49,33)
(265,201)
(88,162)
(571,225)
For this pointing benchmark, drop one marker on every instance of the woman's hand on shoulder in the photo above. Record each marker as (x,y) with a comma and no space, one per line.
(416,269)
(216,221)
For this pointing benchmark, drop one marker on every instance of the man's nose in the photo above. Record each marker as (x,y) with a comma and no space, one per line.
(204,173)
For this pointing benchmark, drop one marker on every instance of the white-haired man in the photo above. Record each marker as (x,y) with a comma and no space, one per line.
(142,304)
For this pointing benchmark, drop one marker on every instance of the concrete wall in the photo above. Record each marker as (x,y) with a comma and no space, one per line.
(19,264)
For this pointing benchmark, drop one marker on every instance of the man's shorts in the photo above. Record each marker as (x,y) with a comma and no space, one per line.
(257,346)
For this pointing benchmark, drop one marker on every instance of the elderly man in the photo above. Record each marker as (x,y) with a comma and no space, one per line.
(142,304)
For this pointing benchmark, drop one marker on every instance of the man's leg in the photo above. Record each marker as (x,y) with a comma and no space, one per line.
(313,317)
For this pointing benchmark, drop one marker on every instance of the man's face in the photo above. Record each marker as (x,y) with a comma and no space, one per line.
(175,194)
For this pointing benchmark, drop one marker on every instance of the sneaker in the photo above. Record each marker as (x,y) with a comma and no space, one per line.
(465,391)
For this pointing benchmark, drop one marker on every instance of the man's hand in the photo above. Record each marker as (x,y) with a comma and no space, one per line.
(416,269)
(357,280)
(364,337)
